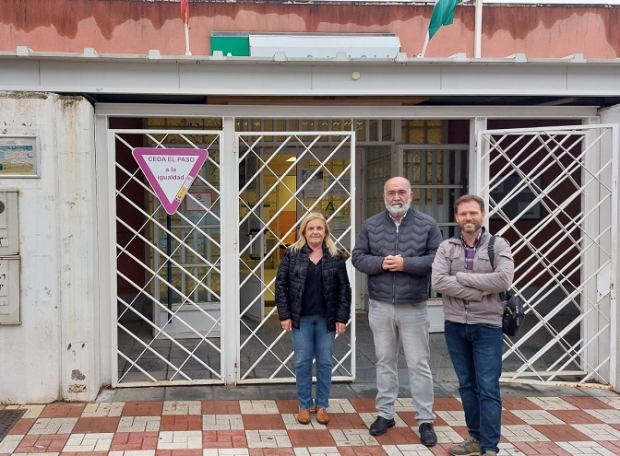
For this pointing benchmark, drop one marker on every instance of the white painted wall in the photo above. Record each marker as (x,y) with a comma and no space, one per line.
(612,116)
(52,354)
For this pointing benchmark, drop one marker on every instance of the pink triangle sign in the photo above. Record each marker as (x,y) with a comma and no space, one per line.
(170,172)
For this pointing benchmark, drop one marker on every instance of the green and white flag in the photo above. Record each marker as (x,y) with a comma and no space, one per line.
(443,14)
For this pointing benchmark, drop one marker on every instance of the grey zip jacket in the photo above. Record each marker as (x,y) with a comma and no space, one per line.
(416,239)
(450,278)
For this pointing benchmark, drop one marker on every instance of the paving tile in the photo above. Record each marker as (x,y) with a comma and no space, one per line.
(362,451)
(258,407)
(220,407)
(609,416)
(10,443)
(226,452)
(613,401)
(447,403)
(178,452)
(224,439)
(132,453)
(103,409)
(182,408)
(135,441)
(508,418)
(42,443)
(62,410)
(81,453)
(452,418)
(181,422)
(272,452)
(404,404)
(554,403)
(222,422)
(290,422)
(353,437)
(562,432)
(340,406)
(545,425)
(147,408)
(364,405)
(287,405)
(532,417)
(317,451)
(613,446)
(88,443)
(540,448)
(450,435)
(267,439)
(519,403)
(264,421)
(598,432)
(524,433)
(577,448)
(53,426)
(346,421)
(96,425)
(139,423)
(576,417)
(179,440)
(407,450)
(311,438)
(22,426)
(588,402)
(32,411)
(398,436)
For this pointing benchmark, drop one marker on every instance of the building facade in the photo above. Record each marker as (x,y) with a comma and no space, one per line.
(301,107)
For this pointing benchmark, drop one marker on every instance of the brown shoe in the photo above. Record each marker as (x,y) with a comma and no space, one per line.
(322,416)
(303,417)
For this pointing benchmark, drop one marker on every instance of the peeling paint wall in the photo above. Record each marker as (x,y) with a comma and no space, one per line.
(52,353)
(135,27)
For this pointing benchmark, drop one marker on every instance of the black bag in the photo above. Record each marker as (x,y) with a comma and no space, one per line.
(514,313)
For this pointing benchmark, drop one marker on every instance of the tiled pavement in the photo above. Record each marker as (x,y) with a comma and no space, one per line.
(587,424)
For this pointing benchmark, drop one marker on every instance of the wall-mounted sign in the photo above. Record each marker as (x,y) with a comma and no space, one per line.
(170,172)
(200,202)
(18,156)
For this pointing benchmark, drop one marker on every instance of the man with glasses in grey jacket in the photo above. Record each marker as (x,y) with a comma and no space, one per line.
(396,248)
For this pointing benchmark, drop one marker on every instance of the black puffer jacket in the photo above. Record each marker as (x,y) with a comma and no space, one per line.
(291,280)
(416,239)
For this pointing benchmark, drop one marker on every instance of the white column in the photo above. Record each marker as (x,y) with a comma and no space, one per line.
(229,212)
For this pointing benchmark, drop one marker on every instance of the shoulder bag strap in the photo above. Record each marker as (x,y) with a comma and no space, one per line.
(491,250)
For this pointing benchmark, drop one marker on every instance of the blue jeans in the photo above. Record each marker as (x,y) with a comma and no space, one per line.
(391,325)
(476,353)
(312,341)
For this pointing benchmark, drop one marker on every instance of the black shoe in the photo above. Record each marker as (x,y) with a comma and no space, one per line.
(381,425)
(427,435)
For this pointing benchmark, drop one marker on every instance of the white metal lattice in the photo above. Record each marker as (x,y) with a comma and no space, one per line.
(553,193)
(168,268)
(287,174)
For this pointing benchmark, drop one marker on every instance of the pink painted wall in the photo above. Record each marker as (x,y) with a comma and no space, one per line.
(135,27)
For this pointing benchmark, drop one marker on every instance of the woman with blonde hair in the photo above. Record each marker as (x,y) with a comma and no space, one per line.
(313,296)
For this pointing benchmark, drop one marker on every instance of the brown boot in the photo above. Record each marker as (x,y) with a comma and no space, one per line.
(322,416)
(303,417)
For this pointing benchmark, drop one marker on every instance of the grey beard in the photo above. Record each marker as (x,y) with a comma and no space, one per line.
(398,211)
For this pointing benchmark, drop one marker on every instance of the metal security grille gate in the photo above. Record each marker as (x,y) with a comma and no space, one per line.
(168,268)
(190,311)
(283,176)
(552,192)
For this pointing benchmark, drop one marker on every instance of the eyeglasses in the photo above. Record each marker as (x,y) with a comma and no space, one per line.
(401,193)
